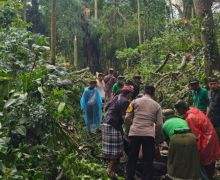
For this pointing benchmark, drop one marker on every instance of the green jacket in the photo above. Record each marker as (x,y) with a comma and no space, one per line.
(200,99)
(117,87)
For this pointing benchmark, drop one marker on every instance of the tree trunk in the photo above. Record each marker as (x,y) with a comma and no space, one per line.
(53,32)
(24,13)
(35,16)
(114,15)
(187,8)
(139,22)
(203,10)
(75,55)
(125,42)
(90,47)
(96,9)
(171,9)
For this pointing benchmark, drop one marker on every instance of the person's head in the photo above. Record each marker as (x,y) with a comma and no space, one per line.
(111,71)
(149,90)
(92,84)
(121,80)
(129,82)
(100,76)
(181,107)
(213,83)
(127,91)
(168,113)
(194,84)
(137,79)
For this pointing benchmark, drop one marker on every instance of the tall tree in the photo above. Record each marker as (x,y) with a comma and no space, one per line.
(203,10)
(75,52)
(24,13)
(35,16)
(139,21)
(171,9)
(96,9)
(53,32)
(90,46)
(187,8)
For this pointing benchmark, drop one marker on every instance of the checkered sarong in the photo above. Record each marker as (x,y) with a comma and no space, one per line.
(112,142)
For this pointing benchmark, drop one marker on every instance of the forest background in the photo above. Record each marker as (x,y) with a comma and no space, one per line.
(45,44)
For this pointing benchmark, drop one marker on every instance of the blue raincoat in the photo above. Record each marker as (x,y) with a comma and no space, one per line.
(91,102)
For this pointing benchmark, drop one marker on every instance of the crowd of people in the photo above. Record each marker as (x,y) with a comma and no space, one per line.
(136,125)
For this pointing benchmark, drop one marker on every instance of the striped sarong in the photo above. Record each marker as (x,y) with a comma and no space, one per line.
(112,142)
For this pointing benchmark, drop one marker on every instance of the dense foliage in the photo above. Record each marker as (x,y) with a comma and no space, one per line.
(41,130)
(185,62)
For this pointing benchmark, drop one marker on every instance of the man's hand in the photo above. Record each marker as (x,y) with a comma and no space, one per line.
(83,111)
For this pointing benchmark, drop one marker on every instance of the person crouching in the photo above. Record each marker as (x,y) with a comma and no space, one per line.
(183,157)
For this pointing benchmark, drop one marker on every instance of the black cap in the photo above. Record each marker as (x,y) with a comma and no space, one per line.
(212,79)
(194,81)
(181,104)
(120,77)
(129,82)
(92,82)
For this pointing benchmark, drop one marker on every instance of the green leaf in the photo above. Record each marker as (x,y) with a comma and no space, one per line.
(19,155)
(9,103)
(21,130)
(40,89)
(5,78)
(61,106)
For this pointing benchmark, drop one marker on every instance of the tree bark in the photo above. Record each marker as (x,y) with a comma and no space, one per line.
(171,9)
(203,9)
(53,32)
(90,47)
(187,8)
(75,52)
(139,23)
(96,9)
(114,15)
(24,13)
(35,16)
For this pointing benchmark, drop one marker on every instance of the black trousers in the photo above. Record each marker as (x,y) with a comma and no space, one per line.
(210,170)
(148,147)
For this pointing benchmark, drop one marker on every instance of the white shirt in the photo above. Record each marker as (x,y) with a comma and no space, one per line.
(101,88)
